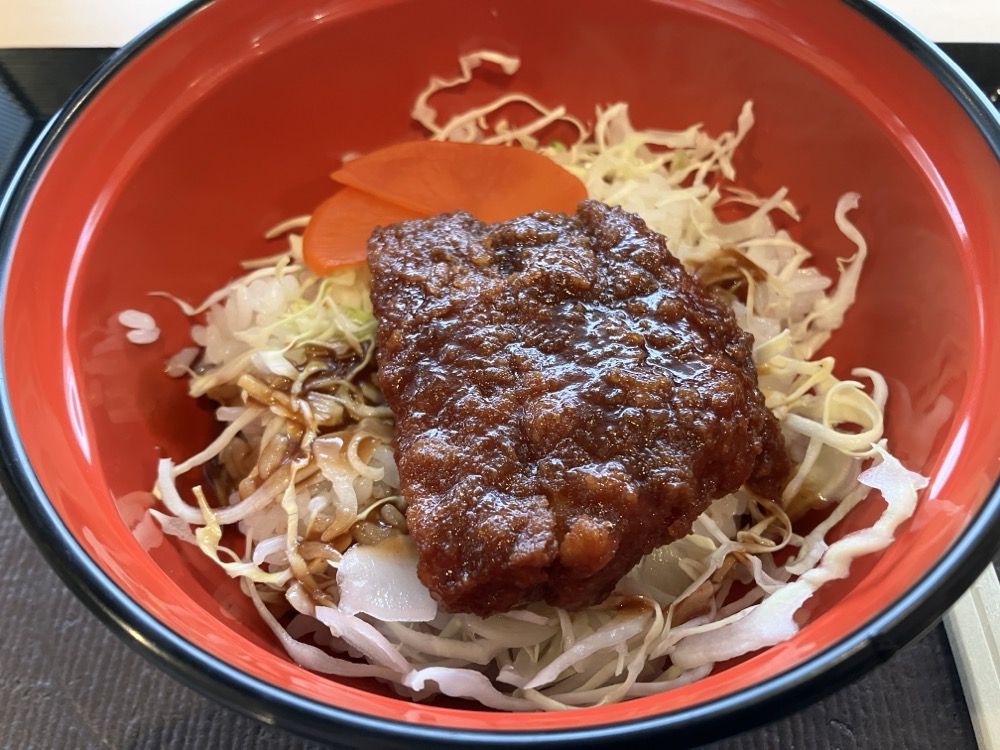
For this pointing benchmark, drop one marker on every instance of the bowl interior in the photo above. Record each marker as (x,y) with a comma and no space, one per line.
(230,120)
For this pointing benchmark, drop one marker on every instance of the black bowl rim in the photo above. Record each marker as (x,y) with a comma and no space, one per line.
(914,613)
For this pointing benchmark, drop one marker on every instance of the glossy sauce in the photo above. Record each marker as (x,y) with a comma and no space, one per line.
(567,399)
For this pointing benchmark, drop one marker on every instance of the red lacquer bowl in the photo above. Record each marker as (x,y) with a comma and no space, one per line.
(167,168)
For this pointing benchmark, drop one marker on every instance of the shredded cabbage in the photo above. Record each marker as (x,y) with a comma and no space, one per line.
(306,470)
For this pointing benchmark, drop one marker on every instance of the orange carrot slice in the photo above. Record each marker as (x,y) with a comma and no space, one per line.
(493,183)
(424,178)
(338,231)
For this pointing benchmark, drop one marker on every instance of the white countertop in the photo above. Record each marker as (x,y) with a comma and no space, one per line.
(111,23)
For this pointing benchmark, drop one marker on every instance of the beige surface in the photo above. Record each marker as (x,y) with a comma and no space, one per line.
(973,627)
(110,23)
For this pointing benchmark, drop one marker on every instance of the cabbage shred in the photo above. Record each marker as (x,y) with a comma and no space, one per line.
(306,469)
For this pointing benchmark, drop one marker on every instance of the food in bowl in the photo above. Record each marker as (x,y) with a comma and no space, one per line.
(566,399)
(309,477)
(169,168)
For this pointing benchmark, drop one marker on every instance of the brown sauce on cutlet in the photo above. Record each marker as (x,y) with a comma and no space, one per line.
(567,399)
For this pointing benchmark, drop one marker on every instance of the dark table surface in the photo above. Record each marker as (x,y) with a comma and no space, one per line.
(67,682)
